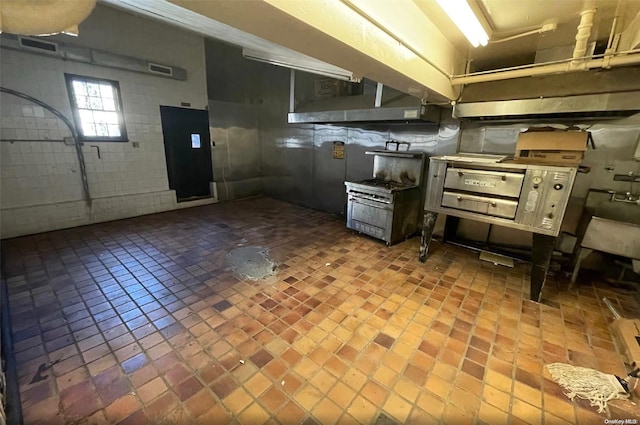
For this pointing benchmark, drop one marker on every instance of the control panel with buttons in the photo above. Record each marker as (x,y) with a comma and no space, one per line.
(545,195)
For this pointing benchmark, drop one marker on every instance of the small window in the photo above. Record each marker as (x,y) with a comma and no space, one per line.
(97,108)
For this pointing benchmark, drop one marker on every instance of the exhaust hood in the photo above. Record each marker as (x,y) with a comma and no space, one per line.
(580,107)
(386,105)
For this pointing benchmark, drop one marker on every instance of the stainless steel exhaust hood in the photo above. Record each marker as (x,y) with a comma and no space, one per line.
(385,105)
(581,107)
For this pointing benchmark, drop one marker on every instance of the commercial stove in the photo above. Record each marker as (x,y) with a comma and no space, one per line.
(490,189)
(388,206)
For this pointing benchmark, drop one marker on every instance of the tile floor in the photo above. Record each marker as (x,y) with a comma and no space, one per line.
(138,321)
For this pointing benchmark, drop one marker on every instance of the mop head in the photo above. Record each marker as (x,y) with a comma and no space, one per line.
(588,384)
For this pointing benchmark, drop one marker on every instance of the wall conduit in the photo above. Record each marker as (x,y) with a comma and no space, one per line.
(74,134)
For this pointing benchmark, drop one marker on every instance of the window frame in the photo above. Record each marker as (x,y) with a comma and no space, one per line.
(70,78)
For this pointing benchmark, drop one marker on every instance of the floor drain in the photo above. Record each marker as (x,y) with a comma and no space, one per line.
(251,262)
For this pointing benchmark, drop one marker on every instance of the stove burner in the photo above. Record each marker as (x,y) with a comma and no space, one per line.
(387,184)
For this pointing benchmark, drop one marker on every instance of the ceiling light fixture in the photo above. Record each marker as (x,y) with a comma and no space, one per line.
(461,14)
(299,64)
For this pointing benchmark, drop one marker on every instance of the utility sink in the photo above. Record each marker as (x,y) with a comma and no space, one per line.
(612,205)
(613,227)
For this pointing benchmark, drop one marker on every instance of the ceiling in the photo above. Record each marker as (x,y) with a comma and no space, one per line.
(508,18)
(408,44)
(186,19)
(511,17)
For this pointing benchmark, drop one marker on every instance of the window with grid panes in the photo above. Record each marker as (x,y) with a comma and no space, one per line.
(97,108)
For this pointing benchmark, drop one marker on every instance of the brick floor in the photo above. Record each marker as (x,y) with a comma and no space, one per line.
(139,321)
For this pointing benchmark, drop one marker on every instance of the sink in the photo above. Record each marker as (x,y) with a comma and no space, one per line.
(612,237)
(611,205)
(612,226)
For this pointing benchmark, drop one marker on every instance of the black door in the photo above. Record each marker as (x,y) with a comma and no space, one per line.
(188,151)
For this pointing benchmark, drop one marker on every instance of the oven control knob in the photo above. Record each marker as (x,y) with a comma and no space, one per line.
(557,186)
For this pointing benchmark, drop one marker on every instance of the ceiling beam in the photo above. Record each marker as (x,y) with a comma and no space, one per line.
(411,56)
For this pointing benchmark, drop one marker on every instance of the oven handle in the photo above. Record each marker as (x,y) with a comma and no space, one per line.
(484,201)
(375,203)
(503,177)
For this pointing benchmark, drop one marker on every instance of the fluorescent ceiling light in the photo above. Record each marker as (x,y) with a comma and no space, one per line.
(299,64)
(461,14)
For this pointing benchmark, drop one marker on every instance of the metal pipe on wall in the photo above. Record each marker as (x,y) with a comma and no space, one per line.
(577,62)
(631,57)
(32,140)
(74,135)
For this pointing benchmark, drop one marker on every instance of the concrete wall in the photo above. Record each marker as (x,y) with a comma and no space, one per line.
(41,187)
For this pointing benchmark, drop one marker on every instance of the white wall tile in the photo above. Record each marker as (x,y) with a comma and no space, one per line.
(46,174)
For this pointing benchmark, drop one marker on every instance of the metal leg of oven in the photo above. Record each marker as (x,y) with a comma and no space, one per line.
(541,253)
(581,255)
(428,224)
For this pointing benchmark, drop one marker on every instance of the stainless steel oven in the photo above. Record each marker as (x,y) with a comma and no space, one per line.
(387,212)
(522,196)
(388,206)
(484,188)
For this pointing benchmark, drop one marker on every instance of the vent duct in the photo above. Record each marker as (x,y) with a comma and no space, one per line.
(373,103)
(582,107)
(386,114)
(87,55)
(38,45)
(160,69)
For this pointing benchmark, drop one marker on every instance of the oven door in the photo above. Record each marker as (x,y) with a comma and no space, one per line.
(369,216)
(501,183)
(480,204)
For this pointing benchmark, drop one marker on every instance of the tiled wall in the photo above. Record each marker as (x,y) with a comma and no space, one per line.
(41,186)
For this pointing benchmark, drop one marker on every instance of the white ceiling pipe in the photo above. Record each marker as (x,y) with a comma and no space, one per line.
(546,69)
(578,61)
(621,60)
(582,37)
